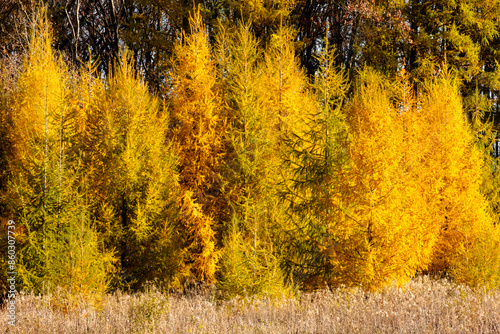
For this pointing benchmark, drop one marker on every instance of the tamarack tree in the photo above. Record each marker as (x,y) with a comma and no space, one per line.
(198,128)
(248,263)
(452,167)
(315,159)
(391,240)
(138,210)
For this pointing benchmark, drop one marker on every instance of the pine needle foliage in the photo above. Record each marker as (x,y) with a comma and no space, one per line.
(381,232)
(284,82)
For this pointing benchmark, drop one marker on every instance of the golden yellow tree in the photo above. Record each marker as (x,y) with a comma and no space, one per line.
(468,244)
(284,83)
(381,230)
(352,192)
(415,202)
(287,103)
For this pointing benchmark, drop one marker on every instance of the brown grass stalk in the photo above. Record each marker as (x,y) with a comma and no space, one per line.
(421,306)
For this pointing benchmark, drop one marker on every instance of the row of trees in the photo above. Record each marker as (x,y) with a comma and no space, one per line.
(245,172)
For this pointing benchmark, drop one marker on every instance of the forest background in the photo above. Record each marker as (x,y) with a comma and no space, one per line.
(258,146)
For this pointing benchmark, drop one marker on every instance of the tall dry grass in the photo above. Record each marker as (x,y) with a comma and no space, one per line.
(421,306)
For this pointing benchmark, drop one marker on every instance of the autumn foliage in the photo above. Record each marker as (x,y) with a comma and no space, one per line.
(243,172)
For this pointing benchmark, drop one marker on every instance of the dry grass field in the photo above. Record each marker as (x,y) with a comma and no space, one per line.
(421,306)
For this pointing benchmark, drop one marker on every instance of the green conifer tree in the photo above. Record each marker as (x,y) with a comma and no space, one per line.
(317,159)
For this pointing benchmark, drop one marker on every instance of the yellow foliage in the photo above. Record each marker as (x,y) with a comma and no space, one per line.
(63,247)
(284,84)
(382,225)
(196,110)
(203,254)
(248,263)
(451,170)
(41,96)
(139,213)
(199,129)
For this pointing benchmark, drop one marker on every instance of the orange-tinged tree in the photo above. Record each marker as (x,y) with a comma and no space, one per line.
(379,235)
(198,130)
(354,201)
(415,202)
